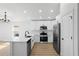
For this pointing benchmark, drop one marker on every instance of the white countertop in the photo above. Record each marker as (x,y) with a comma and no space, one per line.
(25,40)
(17,40)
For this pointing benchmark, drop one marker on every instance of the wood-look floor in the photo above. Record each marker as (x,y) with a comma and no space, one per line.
(43,49)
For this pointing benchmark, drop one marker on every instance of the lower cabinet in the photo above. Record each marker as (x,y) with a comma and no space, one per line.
(28,47)
(21,48)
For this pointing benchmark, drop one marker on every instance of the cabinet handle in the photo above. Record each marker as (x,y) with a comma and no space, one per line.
(71,37)
(62,38)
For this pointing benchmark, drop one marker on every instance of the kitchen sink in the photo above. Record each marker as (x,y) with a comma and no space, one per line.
(28,36)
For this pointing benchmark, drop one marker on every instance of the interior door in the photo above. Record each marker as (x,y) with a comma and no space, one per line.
(67,35)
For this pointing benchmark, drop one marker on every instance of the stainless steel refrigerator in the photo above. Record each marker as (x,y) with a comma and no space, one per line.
(56,37)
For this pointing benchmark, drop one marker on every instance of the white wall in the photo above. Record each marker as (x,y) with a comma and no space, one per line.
(23,26)
(66,7)
(37,24)
(5,31)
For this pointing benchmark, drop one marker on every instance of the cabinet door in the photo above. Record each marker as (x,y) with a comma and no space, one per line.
(19,49)
(67,35)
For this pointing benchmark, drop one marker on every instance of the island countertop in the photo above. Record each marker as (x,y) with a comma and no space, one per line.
(25,40)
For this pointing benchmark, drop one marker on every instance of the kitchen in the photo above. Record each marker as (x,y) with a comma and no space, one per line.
(30,24)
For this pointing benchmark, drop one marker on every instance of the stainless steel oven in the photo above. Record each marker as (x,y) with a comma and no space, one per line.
(43,34)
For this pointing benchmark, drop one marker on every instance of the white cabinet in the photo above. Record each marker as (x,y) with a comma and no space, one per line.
(19,48)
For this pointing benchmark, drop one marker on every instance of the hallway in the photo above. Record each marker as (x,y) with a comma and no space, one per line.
(43,49)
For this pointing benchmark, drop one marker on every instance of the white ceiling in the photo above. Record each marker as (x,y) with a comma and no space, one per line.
(24,11)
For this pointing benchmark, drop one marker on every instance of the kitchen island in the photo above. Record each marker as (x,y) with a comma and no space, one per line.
(16,47)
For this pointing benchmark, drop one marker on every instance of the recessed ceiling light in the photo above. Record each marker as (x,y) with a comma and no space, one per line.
(40,17)
(51,11)
(40,11)
(25,11)
(49,17)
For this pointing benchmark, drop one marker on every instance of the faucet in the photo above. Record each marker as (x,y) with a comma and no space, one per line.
(26,32)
